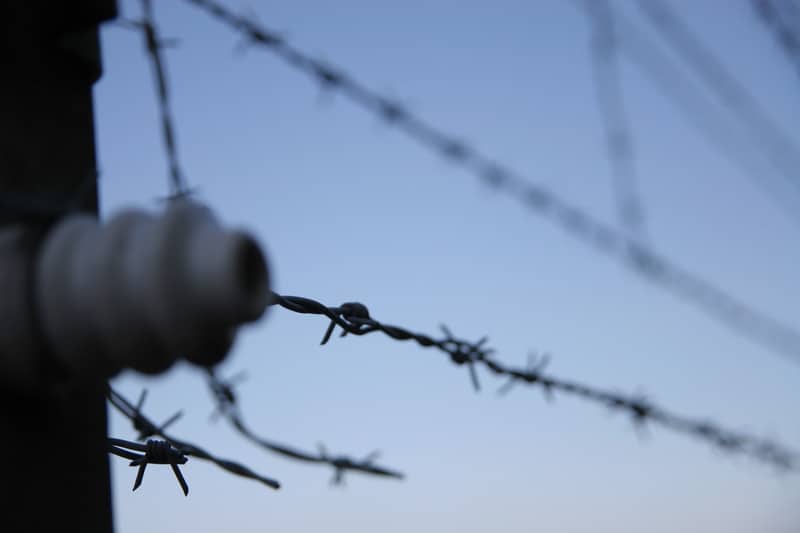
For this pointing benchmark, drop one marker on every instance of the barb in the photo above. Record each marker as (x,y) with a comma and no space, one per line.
(715,302)
(144,425)
(611,102)
(640,410)
(536,364)
(223,393)
(156,452)
(228,407)
(741,103)
(779,22)
(153,45)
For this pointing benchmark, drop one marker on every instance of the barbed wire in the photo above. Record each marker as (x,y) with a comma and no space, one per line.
(147,429)
(786,34)
(739,101)
(705,296)
(611,103)
(354,318)
(642,410)
(153,45)
(228,407)
(697,109)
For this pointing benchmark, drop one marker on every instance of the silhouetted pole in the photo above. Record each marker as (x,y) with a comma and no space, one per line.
(55,474)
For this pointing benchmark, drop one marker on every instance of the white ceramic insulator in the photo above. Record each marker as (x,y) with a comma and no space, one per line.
(141,291)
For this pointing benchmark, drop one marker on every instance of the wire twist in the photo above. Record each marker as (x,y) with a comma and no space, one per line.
(354,318)
(153,46)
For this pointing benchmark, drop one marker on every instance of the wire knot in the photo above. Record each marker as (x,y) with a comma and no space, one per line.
(356,310)
(157,452)
(161,452)
(352,317)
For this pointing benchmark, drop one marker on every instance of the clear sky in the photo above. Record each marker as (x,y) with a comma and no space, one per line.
(350,210)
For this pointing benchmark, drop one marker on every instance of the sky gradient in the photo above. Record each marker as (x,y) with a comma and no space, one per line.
(350,210)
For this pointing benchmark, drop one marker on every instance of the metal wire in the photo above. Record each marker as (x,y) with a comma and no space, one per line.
(611,102)
(148,428)
(153,45)
(698,110)
(354,318)
(228,407)
(739,101)
(785,26)
(717,303)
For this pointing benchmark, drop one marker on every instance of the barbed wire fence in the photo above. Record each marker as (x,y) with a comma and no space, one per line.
(353,318)
(704,295)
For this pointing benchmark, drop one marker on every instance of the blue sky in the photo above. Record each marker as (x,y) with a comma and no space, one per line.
(349,209)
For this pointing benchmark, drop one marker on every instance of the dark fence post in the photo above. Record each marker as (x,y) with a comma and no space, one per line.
(55,474)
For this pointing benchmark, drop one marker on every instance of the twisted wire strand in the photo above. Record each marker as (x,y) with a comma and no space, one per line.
(739,101)
(742,318)
(153,45)
(148,428)
(786,34)
(699,112)
(642,410)
(611,103)
(354,318)
(228,406)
